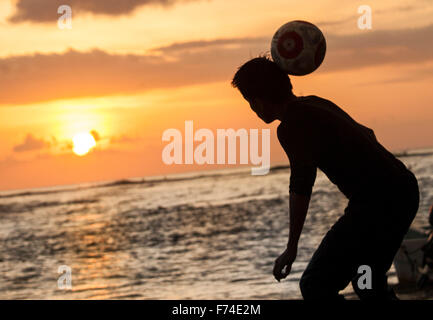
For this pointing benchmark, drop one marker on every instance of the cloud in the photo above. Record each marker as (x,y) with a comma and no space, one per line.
(42,77)
(371,48)
(95,135)
(31,144)
(72,74)
(354,18)
(410,75)
(204,44)
(46,10)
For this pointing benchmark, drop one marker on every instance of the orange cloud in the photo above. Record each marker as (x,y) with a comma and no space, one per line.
(31,144)
(43,77)
(46,11)
(73,74)
(379,47)
(95,135)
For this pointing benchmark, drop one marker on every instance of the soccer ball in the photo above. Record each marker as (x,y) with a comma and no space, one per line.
(298,47)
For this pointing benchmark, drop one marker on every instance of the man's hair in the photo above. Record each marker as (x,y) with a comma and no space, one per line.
(262,78)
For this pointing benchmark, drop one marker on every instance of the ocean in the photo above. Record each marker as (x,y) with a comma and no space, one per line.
(207,235)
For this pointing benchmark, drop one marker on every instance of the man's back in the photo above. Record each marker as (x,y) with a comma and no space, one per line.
(318,134)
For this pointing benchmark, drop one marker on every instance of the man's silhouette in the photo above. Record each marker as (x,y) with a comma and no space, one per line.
(383,194)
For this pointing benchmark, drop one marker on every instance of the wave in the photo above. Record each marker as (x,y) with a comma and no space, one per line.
(413,154)
(17,207)
(151,181)
(147,182)
(36,193)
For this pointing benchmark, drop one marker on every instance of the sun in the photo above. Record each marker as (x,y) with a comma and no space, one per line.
(83,142)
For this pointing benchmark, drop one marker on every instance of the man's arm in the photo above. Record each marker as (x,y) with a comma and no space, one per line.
(298,211)
(303,171)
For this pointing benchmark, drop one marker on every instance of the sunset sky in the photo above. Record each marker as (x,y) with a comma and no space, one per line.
(128,70)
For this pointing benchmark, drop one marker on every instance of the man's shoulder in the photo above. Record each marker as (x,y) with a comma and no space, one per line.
(284,135)
(313,100)
(310,97)
(282,131)
(290,133)
(285,132)
(321,111)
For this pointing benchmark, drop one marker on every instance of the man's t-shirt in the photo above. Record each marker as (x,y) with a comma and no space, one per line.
(316,133)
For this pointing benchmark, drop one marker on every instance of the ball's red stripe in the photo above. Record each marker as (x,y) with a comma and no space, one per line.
(299,45)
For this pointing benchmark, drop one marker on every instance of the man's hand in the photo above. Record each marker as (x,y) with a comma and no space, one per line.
(286,259)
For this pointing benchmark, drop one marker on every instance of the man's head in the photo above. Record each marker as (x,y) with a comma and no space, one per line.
(265,86)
